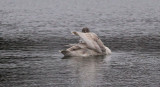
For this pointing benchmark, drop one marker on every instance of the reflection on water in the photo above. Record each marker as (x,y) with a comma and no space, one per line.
(47,71)
(118,69)
(86,69)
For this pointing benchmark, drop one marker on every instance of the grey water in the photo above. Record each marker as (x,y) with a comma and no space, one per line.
(33,31)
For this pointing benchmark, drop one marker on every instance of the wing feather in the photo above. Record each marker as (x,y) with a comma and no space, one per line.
(90,42)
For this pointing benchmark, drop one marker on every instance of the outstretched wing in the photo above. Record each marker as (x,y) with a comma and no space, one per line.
(90,42)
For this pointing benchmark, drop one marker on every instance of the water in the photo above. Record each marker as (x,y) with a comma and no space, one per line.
(32,32)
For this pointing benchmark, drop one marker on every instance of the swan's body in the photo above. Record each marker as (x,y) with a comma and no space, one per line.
(91,46)
(84,52)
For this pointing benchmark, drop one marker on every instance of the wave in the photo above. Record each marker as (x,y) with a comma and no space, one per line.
(140,43)
(122,43)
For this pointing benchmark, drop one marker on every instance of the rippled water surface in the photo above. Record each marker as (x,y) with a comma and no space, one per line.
(33,31)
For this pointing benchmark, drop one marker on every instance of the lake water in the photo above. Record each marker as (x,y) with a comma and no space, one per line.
(33,31)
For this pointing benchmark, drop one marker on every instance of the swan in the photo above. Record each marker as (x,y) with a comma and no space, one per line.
(82,50)
(91,45)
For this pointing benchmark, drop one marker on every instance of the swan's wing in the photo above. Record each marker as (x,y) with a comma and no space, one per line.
(81,45)
(77,46)
(70,45)
(99,42)
(90,42)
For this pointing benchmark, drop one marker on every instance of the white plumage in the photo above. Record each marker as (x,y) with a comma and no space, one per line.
(91,46)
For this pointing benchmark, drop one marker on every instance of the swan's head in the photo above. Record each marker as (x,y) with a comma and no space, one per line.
(85,30)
